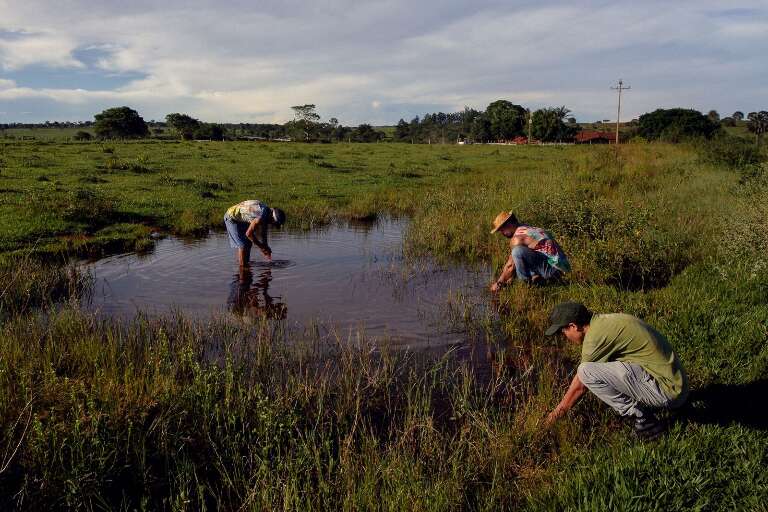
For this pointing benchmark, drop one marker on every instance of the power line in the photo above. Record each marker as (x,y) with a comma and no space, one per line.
(620,87)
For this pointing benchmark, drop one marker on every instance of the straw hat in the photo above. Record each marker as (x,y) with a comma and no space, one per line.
(501,219)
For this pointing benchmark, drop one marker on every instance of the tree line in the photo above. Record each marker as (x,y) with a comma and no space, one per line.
(501,121)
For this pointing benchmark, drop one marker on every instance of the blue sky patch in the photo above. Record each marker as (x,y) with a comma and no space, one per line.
(90,77)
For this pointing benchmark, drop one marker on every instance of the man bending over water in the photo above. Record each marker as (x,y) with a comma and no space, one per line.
(248,224)
(534,254)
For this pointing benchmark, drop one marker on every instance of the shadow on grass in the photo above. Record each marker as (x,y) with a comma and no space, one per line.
(726,404)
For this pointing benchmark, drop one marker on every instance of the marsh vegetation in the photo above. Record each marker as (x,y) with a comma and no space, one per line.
(178,413)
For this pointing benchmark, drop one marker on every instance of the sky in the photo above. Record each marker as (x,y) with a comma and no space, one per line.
(377,61)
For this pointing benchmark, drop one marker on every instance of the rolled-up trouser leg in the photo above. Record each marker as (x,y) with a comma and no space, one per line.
(626,387)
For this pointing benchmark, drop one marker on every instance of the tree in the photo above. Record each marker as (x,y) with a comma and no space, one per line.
(738,115)
(481,129)
(676,124)
(549,126)
(402,131)
(340,133)
(713,116)
(366,133)
(758,124)
(209,131)
(119,123)
(305,113)
(183,124)
(304,121)
(506,119)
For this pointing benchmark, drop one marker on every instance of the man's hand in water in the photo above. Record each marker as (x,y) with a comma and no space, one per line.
(267,252)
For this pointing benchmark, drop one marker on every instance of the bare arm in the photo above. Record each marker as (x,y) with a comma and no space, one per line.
(261,244)
(575,391)
(506,274)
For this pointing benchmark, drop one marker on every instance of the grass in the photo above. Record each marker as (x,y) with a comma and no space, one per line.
(180,415)
(42,134)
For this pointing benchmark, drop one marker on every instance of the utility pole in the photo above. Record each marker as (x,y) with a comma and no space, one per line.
(530,122)
(620,87)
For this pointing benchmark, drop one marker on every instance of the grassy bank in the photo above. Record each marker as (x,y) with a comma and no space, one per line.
(177,415)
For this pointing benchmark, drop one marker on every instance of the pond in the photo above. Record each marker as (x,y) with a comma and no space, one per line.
(343,279)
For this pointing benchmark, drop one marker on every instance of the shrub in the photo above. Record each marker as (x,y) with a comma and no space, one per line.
(730,151)
(191,222)
(614,245)
(115,164)
(82,136)
(87,206)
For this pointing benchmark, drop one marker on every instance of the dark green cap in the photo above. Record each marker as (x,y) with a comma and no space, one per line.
(567,313)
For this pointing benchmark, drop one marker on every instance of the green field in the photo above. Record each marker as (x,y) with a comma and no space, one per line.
(100,414)
(42,133)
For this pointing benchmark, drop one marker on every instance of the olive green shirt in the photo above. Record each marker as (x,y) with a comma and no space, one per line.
(620,337)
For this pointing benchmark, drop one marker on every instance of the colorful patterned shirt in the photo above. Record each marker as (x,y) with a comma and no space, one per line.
(545,244)
(248,211)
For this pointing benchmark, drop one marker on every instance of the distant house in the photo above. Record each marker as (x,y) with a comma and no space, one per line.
(524,140)
(595,137)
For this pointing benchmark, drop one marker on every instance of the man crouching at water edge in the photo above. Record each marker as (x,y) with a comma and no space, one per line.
(243,219)
(625,362)
(534,254)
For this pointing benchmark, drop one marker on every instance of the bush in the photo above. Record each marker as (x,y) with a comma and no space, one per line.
(87,206)
(82,136)
(614,245)
(730,151)
(139,167)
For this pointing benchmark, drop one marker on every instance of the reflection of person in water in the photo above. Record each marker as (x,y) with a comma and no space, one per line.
(251,297)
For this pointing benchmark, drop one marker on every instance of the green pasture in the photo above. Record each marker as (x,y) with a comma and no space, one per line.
(42,134)
(98,414)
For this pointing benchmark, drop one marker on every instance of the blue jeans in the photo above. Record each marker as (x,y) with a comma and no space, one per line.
(236,231)
(529,263)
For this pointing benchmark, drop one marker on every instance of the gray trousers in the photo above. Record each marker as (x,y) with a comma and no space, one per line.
(627,388)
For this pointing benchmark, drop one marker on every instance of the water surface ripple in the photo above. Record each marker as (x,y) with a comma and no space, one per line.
(343,277)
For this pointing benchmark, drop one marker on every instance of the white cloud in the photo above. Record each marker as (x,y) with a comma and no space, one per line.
(358,60)
(54,50)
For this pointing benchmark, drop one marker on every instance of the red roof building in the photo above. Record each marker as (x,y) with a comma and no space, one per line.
(594,137)
(524,140)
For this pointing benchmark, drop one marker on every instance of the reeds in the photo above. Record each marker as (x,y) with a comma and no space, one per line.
(168,411)
(27,282)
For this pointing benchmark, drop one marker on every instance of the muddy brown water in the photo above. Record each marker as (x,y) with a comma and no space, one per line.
(342,279)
